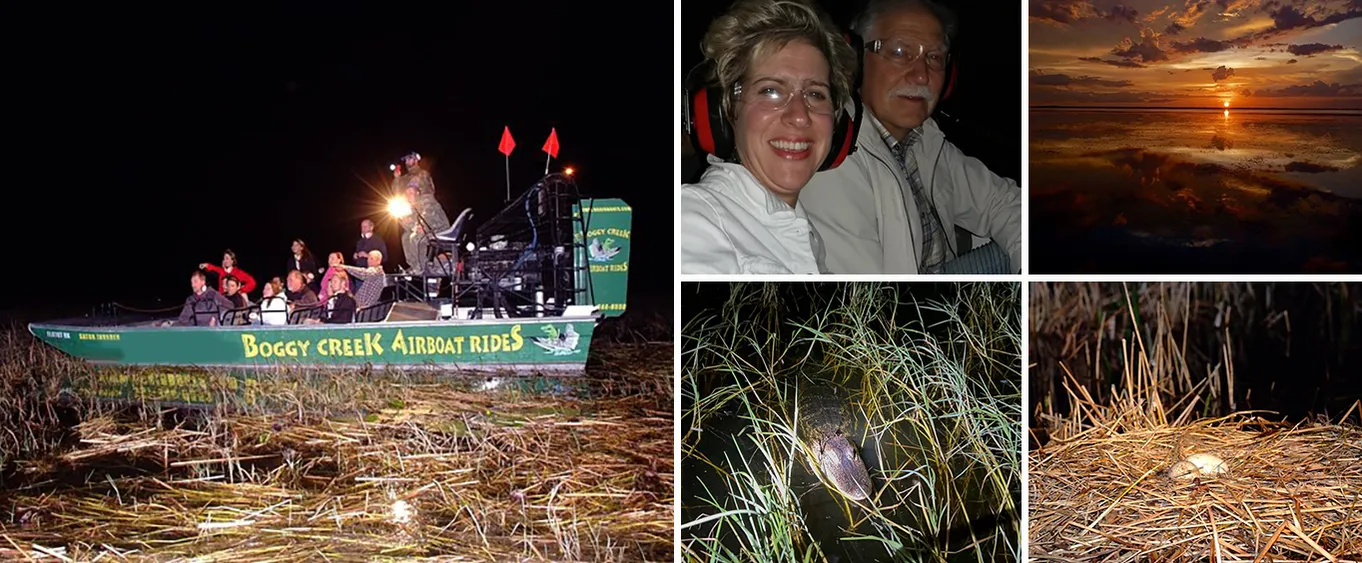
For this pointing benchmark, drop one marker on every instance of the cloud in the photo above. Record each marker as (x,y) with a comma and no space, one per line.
(1174,28)
(1310,49)
(1064,80)
(1287,18)
(1291,62)
(1147,50)
(1222,73)
(1191,13)
(1064,11)
(1121,12)
(1122,64)
(1201,45)
(1316,89)
(1067,12)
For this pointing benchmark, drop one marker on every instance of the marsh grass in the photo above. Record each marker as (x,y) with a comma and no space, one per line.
(938,383)
(1098,485)
(1213,327)
(344,465)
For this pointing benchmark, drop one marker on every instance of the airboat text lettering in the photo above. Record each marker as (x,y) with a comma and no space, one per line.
(611,231)
(277,349)
(371,344)
(200,388)
(510,341)
(621,267)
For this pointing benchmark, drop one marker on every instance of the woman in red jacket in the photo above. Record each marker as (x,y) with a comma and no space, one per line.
(229,268)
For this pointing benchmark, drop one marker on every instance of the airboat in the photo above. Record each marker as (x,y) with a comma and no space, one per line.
(523,293)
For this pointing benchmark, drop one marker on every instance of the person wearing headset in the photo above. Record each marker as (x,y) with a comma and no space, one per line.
(418,187)
(893,206)
(781,69)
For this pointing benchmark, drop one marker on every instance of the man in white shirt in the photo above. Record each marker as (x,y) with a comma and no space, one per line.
(893,206)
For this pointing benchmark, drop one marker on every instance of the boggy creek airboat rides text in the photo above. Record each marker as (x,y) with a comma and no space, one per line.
(523,292)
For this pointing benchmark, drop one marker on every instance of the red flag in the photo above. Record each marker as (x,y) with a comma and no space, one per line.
(507,143)
(551,145)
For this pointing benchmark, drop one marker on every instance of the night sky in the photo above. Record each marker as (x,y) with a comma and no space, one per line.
(152,147)
(988,90)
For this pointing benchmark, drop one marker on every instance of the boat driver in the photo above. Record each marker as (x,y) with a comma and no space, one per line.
(419,188)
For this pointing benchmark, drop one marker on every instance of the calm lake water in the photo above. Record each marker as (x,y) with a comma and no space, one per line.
(1195,191)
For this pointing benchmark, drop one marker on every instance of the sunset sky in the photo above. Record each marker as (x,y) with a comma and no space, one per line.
(1196,53)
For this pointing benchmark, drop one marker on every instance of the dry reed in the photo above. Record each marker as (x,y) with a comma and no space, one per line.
(1098,490)
(394,469)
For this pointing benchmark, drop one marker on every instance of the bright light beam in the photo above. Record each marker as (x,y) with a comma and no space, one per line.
(398,207)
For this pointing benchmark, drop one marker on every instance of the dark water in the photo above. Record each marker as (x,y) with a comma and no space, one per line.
(1160,191)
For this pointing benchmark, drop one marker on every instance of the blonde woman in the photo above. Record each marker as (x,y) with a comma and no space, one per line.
(333,260)
(273,305)
(781,73)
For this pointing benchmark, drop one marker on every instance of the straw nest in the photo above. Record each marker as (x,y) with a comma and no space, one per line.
(1288,493)
(430,470)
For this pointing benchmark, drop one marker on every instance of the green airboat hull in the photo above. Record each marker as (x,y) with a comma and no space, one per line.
(197,365)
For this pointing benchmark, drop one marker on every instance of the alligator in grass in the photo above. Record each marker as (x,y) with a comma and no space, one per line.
(825,425)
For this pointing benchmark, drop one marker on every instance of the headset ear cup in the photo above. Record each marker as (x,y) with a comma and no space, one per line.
(721,126)
(841,144)
(847,128)
(701,135)
(843,141)
(710,130)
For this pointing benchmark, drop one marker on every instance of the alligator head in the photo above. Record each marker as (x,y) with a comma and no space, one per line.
(839,460)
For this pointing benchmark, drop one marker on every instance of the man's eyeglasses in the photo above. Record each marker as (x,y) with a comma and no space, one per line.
(774,96)
(906,54)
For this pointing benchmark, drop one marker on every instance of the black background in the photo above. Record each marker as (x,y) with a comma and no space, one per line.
(148,141)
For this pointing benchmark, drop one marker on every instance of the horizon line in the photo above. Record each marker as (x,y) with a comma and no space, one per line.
(1206,108)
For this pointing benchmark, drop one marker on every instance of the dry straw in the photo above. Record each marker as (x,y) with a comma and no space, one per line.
(388,468)
(1099,490)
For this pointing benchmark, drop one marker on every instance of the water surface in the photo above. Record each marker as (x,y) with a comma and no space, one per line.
(1195,191)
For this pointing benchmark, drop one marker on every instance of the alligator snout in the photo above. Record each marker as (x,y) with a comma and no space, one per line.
(838,459)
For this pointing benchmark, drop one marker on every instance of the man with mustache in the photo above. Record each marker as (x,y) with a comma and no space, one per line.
(893,206)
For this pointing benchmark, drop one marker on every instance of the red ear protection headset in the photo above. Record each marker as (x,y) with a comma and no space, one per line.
(711,130)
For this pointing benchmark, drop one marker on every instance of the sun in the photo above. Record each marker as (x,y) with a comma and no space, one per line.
(1227,103)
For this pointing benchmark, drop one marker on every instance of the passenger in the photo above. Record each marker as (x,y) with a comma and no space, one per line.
(303,262)
(781,73)
(273,306)
(893,207)
(238,299)
(368,240)
(229,268)
(334,259)
(419,189)
(340,308)
(374,279)
(203,306)
(299,294)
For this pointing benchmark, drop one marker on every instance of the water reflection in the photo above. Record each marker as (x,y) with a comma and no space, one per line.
(1195,192)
